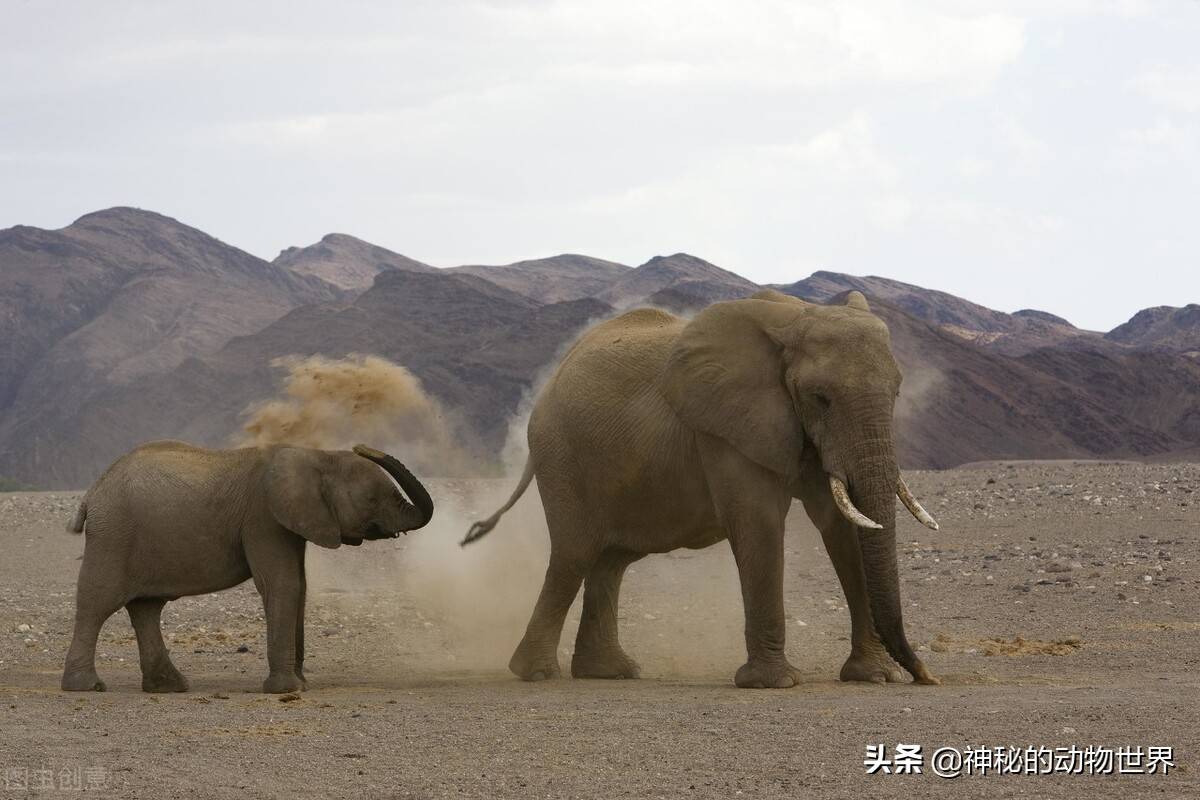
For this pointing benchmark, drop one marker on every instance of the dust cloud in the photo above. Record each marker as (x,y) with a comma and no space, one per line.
(920,384)
(336,403)
(455,610)
(468,603)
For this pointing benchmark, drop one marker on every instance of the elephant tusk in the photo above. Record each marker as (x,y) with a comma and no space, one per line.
(842,498)
(915,507)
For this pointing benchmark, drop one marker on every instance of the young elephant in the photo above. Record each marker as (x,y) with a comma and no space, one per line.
(169,520)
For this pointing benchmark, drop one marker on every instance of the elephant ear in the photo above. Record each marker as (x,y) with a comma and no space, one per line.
(725,377)
(296,496)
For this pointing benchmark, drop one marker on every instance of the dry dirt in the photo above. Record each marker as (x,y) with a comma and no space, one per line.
(1058,604)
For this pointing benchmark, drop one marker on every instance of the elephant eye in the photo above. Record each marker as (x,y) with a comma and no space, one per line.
(822,400)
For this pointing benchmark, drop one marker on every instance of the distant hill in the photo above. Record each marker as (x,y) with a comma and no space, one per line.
(662,273)
(1162,327)
(115,296)
(345,262)
(1012,333)
(128,325)
(474,345)
(551,280)
(960,399)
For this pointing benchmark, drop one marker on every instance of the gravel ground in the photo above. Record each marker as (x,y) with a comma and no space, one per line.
(1058,604)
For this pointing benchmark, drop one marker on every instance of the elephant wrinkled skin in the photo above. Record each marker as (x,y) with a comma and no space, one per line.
(169,520)
(657,433)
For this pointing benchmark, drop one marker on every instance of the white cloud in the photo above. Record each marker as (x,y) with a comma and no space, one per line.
(1002,148)
(1177,89)
(1164,144)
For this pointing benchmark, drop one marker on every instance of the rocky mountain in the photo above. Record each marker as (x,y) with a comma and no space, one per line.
(1162,327)
(963,402)
(115,296)
(345,262)
(690,276)
(1012,333)
(127,326)
(551,280)
(474,345)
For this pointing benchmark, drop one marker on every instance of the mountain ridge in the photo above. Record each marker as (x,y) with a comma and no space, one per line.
(128,324)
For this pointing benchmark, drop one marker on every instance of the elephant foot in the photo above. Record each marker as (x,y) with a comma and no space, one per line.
(83,681)
(281,683)
(530,667)
(775,674)
(302,679)
(922,675)
(163,679)
(611,664)
(871,664)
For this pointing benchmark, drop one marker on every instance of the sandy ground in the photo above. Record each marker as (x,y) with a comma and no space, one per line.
(1058,604)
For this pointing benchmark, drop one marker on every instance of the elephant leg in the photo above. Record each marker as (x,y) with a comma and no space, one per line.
(536,657)
(97,598)
(158,673)
(752,504)
(868,660)
(300,626)
(598,652)
(278,572)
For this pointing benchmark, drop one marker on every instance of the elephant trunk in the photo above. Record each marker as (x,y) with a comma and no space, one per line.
(416,514)
(873,479)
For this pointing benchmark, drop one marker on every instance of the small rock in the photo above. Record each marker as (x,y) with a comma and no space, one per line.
(24,628)
(243,648)
(1068,730)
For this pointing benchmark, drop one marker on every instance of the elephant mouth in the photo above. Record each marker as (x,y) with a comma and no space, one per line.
(372,532)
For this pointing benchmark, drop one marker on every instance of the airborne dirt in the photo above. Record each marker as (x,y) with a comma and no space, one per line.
(1059,605)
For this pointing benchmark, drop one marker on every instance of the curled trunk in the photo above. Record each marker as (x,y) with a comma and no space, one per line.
(416,514)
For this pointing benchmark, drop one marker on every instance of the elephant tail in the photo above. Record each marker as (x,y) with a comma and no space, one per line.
(484,527)
(76,524)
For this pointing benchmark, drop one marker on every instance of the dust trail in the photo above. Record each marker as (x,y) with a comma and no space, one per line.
(479,596)
(336,403)
(920,383)
(455,610)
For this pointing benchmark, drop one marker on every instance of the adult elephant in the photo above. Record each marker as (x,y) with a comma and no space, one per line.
(657,433)
(169,520)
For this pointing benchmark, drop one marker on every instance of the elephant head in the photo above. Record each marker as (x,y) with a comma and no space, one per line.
(336,498)
(773,376)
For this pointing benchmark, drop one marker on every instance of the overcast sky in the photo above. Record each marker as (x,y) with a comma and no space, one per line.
(1037,154)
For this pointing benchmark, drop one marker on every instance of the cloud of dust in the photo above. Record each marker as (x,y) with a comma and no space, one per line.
(479,597)
(680,616)
(920,385)
(336,403)
(482,595)
(464,610)
(464,603)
